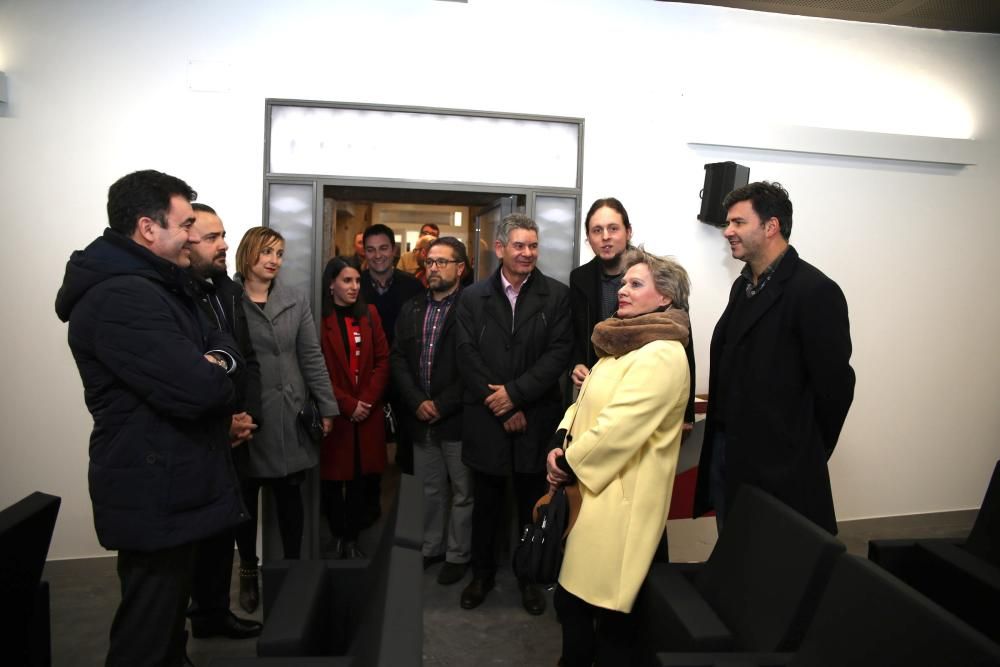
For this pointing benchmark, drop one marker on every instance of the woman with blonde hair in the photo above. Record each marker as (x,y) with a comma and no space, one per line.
(291,370)
(620,445)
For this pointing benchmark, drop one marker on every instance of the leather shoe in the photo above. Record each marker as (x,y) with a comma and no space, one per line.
(533,599)
(475,592)
(227,625)
(452,573)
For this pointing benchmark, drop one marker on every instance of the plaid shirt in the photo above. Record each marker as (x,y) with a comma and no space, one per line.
(753,290)
(437,311)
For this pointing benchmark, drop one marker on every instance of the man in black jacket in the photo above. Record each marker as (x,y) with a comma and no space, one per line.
(593,288)
(514,344)
(781,381)
(429,390)
(220,300)
(387,288)
(157,383)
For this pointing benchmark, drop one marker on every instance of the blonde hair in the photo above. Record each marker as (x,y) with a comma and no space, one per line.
(669,277)
(252,244)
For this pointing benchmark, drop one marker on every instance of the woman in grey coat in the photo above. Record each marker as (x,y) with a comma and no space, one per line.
(291,368)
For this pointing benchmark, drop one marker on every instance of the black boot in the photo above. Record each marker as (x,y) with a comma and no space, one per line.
(249,587)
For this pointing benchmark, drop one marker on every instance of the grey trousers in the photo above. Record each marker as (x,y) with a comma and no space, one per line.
(447,498)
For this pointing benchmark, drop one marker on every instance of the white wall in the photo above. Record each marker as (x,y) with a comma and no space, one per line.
(100,88)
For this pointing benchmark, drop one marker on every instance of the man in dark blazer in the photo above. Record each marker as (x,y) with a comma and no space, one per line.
(429,390)
(780,383)
(220,299)
(593,288)
(514,344)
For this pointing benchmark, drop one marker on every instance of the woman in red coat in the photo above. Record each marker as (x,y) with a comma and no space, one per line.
(357,357)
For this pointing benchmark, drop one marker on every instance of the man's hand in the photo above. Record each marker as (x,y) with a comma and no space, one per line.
(361,412)
(516,424)
(554,474)
(428,412)
(241,428)
(579,374)
(499,402)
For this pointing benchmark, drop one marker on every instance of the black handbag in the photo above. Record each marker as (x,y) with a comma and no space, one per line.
(538,556)
(311,419)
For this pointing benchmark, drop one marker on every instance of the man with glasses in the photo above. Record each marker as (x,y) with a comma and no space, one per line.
(429,391)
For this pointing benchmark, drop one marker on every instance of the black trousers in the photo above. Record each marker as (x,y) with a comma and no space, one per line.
(288,502)
(213,572)
(148,628)
(344,503)
(487,512)
(593,636)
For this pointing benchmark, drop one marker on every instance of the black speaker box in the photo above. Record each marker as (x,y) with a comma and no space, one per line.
(721,178)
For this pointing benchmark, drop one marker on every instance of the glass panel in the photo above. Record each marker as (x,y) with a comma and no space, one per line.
(486,232)
(422,146)
(290,212)
(556,218)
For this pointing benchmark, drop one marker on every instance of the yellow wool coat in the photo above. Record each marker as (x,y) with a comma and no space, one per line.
(626,429)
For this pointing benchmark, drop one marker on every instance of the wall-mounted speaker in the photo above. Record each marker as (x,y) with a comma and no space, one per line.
(721,178)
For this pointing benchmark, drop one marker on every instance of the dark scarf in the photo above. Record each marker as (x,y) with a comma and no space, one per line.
(615,337)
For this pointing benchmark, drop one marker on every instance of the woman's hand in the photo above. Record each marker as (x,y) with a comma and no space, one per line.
(555,476)
(327,425)
(579,374)
(361,411)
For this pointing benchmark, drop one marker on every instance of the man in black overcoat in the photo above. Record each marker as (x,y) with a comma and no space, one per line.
(514,343)
(781,382)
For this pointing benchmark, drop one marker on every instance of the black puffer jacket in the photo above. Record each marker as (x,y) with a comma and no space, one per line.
(160,470)
(527,353)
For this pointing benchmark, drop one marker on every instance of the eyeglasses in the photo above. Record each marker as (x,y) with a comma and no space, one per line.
(439,262)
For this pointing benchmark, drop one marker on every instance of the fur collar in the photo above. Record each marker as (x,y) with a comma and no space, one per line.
(615,337)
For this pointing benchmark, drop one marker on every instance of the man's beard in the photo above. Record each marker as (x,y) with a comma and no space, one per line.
(442,285)
(208,270)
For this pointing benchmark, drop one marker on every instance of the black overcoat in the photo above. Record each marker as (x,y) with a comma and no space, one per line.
(529,354)
(789,388)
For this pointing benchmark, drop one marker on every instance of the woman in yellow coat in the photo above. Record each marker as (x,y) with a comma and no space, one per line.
(622,439)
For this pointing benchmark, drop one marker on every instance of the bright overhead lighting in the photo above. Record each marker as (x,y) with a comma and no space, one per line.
(458,219)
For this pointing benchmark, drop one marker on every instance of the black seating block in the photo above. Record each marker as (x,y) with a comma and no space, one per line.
(868,617)
(25,534)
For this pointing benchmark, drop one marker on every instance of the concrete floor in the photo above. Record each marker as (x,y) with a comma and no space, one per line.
(85,594)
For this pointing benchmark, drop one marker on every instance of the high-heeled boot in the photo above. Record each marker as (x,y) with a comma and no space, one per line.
(249,587)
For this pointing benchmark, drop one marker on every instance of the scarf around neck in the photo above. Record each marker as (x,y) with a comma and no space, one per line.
(615,337)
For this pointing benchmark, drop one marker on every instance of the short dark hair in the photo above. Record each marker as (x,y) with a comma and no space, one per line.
(608,202)
(769,200)
(375,230)
(432,226)
(457,247)
(203,208)
(143,194)
(333,269)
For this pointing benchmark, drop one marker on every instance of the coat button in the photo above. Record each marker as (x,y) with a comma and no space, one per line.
(150,459)
(278,387)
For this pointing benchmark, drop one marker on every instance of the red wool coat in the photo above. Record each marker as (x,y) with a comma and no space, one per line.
(337,453)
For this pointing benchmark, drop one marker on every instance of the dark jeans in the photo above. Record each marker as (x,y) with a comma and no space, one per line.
(487,512)
(288,502)
(593,635)
(345,506)
(148,628)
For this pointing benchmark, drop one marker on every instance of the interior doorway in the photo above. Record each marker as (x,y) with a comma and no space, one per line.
(471,217)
